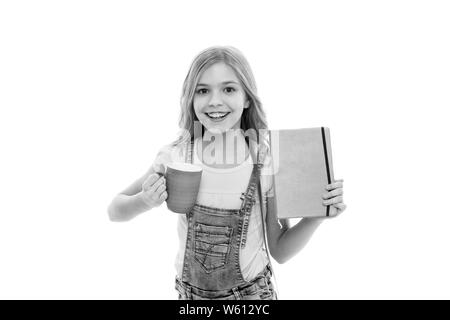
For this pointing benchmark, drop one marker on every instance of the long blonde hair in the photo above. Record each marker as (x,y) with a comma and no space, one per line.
(253,117)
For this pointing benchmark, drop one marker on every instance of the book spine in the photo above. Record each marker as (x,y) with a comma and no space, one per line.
(326,162)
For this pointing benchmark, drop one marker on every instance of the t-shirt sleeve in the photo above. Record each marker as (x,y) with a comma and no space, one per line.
(167,154)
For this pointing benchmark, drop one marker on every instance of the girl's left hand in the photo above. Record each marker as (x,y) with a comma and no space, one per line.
(334,196)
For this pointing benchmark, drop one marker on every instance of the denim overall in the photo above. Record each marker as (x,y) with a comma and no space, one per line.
(211,268)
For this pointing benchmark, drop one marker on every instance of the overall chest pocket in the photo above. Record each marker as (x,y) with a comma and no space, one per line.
(212,246)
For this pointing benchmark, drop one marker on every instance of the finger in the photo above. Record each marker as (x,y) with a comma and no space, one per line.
(160,189)
(160,198)
(333,193)
(332,201)
(340,206)
(151,179)
(156,185)
(335,184)
(163,196)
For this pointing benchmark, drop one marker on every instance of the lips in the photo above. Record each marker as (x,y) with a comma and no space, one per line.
(217,116)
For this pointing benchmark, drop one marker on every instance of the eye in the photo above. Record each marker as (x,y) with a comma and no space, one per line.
(202,91)
(229,89)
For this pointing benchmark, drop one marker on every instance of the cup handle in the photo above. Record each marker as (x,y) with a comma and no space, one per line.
(160,169)
(161,174)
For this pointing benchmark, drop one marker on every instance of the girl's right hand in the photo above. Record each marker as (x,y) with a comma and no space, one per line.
(154,190)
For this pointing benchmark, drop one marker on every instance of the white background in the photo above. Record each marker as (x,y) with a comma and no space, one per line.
(89,92)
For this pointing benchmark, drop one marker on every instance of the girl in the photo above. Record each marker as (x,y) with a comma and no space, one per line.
(222,252)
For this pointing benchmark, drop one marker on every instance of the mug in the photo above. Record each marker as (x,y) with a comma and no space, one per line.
(182,185)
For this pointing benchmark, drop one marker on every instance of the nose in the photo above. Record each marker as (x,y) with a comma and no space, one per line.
(216,99)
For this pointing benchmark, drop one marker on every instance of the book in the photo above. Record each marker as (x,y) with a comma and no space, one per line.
(303,166)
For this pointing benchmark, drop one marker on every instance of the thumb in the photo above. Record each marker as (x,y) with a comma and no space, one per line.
(159,168)
(333,211)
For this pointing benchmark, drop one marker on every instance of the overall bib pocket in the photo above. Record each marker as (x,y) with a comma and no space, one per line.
(212,246)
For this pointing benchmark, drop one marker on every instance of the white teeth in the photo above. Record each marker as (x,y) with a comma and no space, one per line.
(217,114)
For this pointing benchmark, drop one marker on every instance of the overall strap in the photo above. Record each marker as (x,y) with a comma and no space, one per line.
(249,198)
(189,152)
(248,201)
(264,214)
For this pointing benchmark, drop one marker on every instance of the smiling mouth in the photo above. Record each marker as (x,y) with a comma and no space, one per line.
(217,115)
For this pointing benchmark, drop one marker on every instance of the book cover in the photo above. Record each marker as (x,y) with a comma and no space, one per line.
(303,167)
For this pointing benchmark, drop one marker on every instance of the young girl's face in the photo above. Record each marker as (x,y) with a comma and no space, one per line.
(219,99)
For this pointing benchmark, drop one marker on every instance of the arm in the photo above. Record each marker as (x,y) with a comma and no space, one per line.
(137,198)
(286,241)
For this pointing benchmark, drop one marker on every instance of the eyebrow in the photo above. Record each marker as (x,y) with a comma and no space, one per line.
(225,82)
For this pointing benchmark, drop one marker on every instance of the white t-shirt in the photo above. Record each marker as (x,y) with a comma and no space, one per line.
(222,188)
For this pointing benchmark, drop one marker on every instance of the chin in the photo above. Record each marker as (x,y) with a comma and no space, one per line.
(220,127)
(217,129)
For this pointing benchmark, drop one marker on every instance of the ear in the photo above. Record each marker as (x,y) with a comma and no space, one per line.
(246,104)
